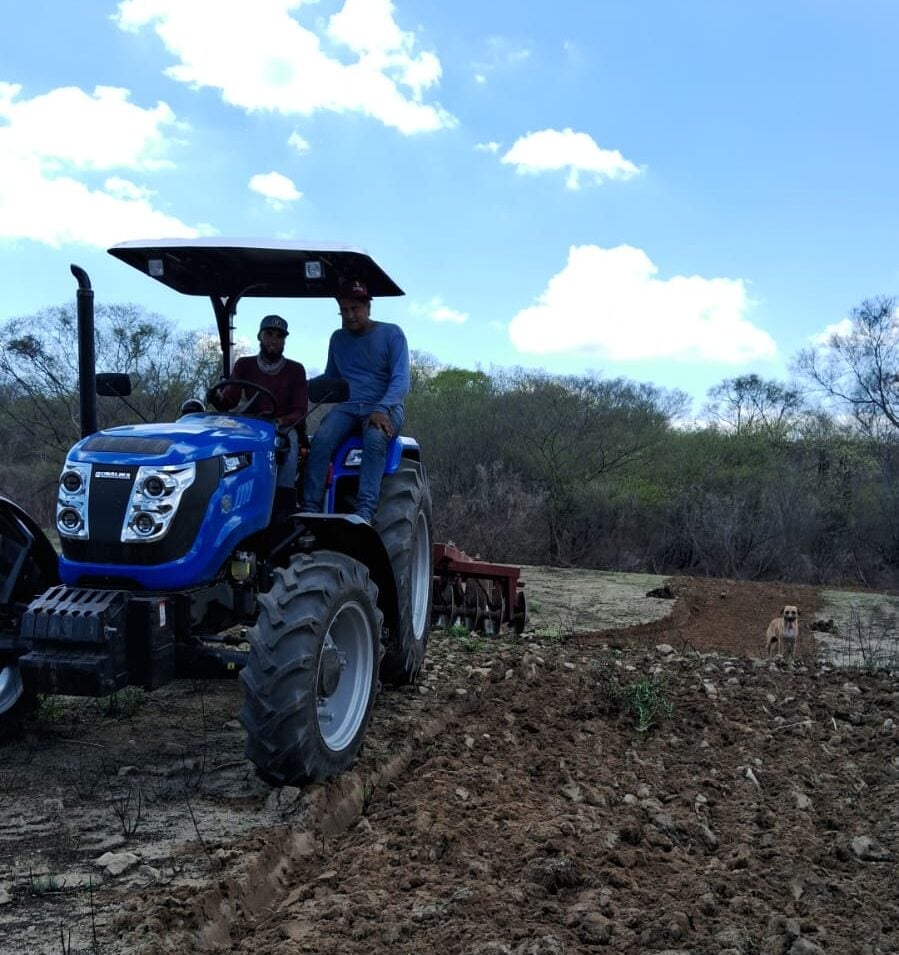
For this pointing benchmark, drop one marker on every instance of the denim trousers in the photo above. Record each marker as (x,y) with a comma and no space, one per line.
(287,469)
(337,425)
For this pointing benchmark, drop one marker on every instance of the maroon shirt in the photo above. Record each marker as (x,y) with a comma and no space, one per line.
(288,385)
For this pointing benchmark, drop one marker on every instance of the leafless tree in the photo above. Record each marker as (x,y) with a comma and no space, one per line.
(858,370)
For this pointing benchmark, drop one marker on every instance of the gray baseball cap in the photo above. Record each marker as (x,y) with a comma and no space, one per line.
(274,321)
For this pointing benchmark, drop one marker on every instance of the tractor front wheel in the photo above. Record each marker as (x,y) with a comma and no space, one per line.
(312,673)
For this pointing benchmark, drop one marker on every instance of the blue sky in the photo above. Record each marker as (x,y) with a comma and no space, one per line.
(673,192)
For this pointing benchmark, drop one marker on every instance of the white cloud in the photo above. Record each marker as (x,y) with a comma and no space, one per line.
(436,310)
(611,302)
(300,144)
(68,127)
(550,150)
(277,189)
(48,146)
(843,327)
(362,61)
(491,147)
(501,54)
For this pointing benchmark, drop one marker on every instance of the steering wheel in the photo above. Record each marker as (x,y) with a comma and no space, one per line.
(243,383)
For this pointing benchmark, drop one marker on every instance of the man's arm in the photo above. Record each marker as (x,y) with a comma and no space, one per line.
(296,403)
(229,396)
(398,385)
(331,369)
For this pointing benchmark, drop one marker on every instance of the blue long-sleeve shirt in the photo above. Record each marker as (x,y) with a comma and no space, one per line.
(375,364)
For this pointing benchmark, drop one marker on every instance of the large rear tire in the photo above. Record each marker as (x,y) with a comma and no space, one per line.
(16,703)
(403,521)
(28,566)
(312,673)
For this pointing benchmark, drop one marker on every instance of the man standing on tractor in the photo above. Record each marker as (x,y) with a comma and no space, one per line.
(373,358)
(282,379)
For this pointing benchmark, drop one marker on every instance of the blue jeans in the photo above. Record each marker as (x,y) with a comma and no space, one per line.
(338,425)
(287,469)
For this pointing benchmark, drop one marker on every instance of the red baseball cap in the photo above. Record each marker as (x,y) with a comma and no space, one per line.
(352,288)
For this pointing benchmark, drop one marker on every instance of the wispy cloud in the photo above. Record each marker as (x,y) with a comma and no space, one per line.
(300,144)
(276,188)
(436,310)
(357,60)
(51,143)
(502,53)
(843,327)
(552,150)
(612,302)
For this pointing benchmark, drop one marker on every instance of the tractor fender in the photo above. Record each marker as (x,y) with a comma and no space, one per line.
(352,535)
(31,564)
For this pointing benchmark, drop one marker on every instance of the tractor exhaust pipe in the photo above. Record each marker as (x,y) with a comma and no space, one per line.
(87,359)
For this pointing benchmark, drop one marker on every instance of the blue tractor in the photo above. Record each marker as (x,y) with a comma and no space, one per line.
(172,563)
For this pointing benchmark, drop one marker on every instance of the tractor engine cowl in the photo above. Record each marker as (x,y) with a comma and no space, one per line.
(145,511)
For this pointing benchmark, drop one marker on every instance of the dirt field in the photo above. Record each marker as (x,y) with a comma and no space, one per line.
(507,804)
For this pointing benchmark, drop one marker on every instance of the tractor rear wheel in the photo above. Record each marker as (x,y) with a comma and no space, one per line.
(404,522)
(16,703)
(28,566)
(312,673)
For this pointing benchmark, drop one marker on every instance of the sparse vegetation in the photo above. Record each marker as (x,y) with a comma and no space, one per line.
(124,704)
(128,809)
(472,643)
(871,640)
(643,699)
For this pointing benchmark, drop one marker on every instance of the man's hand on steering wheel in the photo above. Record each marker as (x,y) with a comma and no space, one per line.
(215,395)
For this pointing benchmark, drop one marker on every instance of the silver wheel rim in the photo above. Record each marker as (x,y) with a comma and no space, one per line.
(10,687)
(342,713)
(421,576)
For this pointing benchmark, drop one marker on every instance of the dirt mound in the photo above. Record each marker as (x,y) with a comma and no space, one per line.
(510,803)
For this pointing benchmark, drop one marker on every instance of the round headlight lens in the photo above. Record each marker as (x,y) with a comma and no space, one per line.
(144,524)
(69,519)
(154,486)
(71,481)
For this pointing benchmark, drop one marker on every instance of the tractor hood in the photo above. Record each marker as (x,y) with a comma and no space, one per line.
(161,506)
(191,438)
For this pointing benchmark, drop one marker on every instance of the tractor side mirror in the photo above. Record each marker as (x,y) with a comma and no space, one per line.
(113,385)
(323,389)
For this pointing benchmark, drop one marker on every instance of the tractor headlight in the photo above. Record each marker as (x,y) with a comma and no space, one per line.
(143,524)
(155,499)
(69,520)
(71,481)
(71,501)
(154,486)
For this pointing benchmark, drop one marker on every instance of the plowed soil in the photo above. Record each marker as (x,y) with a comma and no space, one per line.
(524,798)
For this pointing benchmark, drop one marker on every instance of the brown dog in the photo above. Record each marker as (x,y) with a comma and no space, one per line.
(783,632)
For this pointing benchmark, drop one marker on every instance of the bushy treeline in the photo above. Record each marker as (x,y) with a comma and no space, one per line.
(539,469)
(533,468)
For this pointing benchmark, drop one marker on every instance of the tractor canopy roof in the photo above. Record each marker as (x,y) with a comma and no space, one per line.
(252,268)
